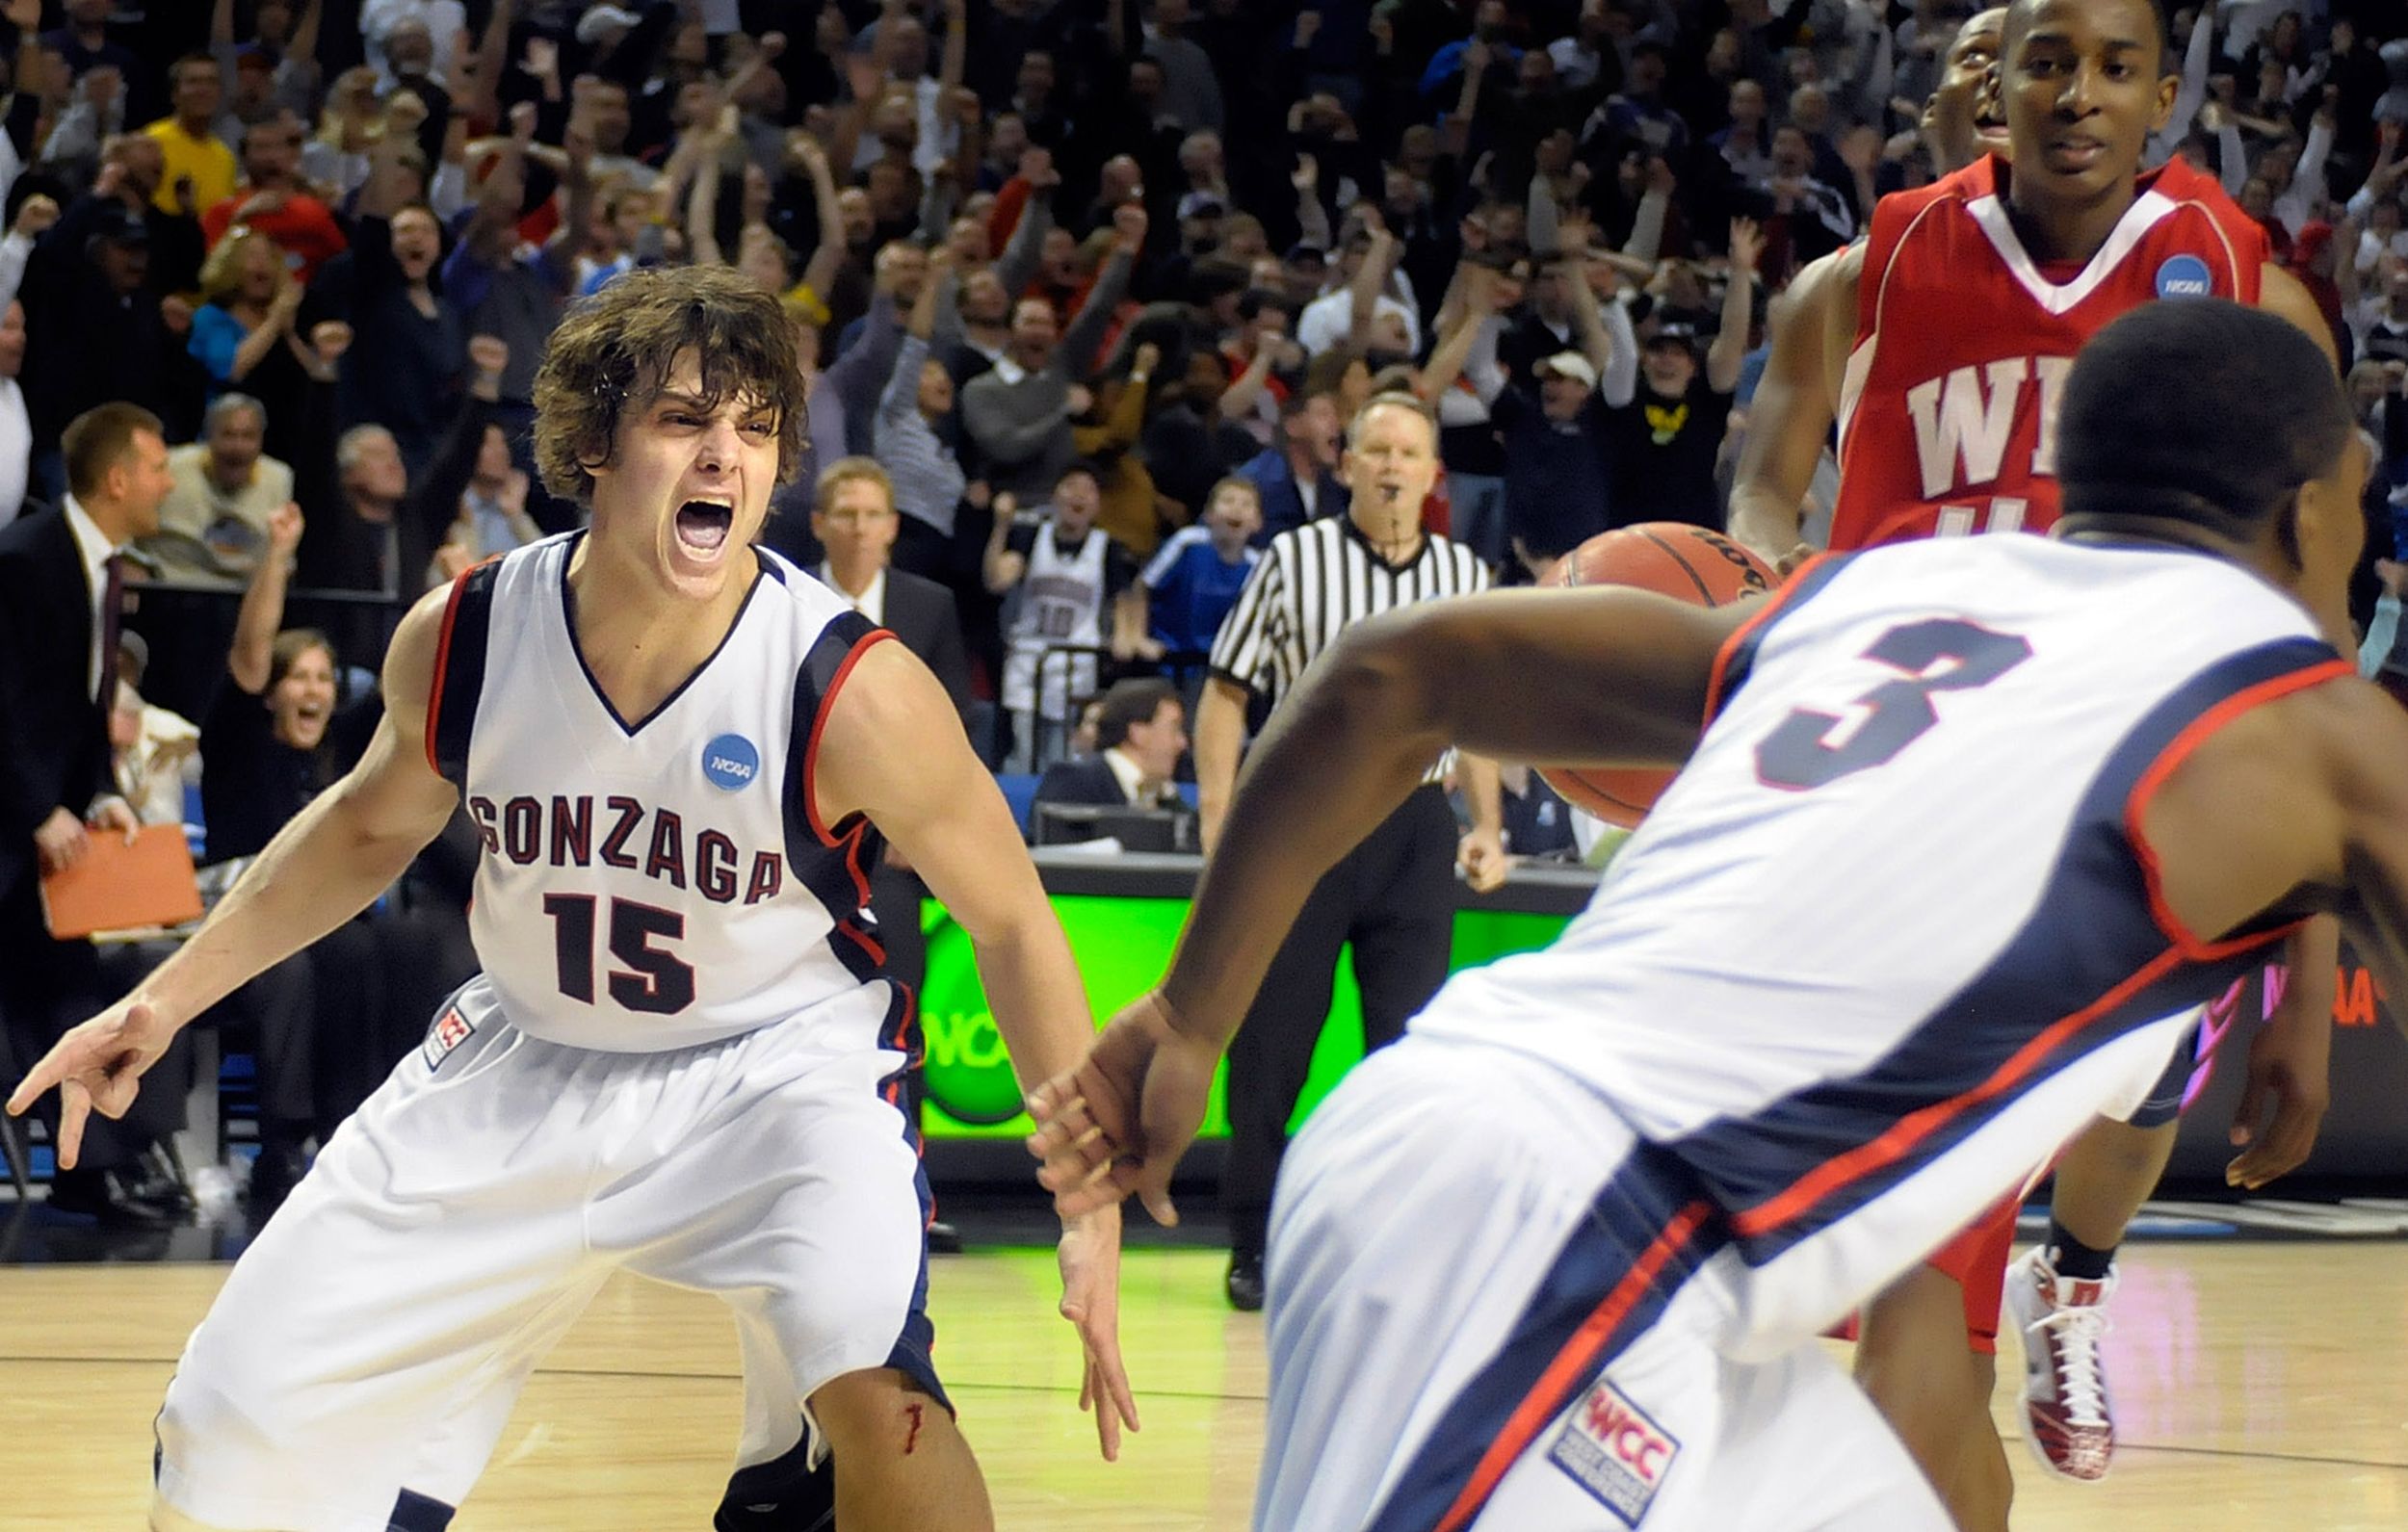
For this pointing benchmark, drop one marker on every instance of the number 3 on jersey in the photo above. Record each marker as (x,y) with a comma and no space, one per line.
(1940,654)
(654,980)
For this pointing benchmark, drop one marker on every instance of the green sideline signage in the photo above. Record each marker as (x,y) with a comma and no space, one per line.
(1122,946)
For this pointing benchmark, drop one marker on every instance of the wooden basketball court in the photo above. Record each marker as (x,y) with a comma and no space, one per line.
(2259,1387)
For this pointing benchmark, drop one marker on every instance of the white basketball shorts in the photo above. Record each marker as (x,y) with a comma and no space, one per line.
(1459,1232)
(366,1353)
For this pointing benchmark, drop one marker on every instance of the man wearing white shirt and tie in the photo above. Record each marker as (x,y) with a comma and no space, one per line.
(1140,734)
(854,519)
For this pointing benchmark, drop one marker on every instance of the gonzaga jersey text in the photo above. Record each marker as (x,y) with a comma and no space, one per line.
(1947,408)
(664,882)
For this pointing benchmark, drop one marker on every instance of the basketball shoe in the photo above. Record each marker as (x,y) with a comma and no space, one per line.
(2066,1420)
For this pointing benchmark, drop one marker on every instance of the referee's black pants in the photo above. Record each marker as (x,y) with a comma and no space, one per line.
(1393,898)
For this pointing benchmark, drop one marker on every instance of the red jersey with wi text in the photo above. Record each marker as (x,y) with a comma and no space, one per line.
(1947,411)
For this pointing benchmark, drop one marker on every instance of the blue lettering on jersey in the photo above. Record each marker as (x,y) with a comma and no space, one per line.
(2185,277)
(730,762)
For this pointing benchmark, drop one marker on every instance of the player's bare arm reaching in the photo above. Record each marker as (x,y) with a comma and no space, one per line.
(895,751)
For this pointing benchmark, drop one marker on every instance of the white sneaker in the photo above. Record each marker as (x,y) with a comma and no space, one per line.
(2066,1418)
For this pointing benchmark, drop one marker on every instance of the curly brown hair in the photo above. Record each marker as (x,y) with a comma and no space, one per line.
(611,358)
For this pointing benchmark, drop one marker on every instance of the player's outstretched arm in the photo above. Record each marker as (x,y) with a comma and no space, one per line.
(322,869)
(892,749)
(1794,405)
(1587,677)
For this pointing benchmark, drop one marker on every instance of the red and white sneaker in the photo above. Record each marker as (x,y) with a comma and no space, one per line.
(2066,1420)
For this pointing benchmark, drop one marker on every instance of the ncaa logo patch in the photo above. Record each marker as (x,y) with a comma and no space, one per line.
(2185,277)
(451,1030)
(730,762)
(1613,1451)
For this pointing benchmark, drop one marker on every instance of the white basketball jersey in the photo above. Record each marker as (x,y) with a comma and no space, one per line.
(659,883)
(1061,602)
(1898,888)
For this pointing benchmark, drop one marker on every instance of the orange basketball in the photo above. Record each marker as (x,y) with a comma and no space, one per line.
(1672,558)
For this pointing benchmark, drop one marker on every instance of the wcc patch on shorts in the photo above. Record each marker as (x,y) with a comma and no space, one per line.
(451,1029)
(1612,1449)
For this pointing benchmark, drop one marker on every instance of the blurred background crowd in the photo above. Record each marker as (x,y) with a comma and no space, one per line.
(1086,289)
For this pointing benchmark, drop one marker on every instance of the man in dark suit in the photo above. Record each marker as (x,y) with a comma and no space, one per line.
(854,517)
(1140,733)
(59,592)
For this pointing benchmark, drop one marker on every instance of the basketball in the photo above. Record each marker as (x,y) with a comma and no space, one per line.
(1672,558)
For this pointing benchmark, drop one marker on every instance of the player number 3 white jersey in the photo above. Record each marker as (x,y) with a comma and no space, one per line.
(1933,762)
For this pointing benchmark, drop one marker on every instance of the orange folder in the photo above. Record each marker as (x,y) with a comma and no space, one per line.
(119,887)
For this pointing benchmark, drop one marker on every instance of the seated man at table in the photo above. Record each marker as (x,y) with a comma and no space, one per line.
(1140,733)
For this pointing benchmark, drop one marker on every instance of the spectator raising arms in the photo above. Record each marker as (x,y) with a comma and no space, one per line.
(1019,412)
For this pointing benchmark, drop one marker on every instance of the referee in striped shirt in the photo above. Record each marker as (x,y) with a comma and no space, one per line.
(1394,895)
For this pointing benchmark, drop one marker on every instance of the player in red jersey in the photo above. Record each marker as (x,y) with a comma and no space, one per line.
(1937,346)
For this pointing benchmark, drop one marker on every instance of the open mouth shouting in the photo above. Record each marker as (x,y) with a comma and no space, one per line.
(703,524)
(1990,128)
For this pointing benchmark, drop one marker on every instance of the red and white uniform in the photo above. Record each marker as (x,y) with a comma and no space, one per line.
(1948,410)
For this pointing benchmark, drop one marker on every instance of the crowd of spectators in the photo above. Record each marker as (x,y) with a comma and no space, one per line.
(1095,283)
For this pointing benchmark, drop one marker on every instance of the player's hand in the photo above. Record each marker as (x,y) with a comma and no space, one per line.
(1090,1254)
(1481,855)
(98,1065)
(1790,563)
(1118,1122)
(2290,1075)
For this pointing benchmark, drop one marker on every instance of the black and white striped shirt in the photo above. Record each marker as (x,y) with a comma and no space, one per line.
(1313,583)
